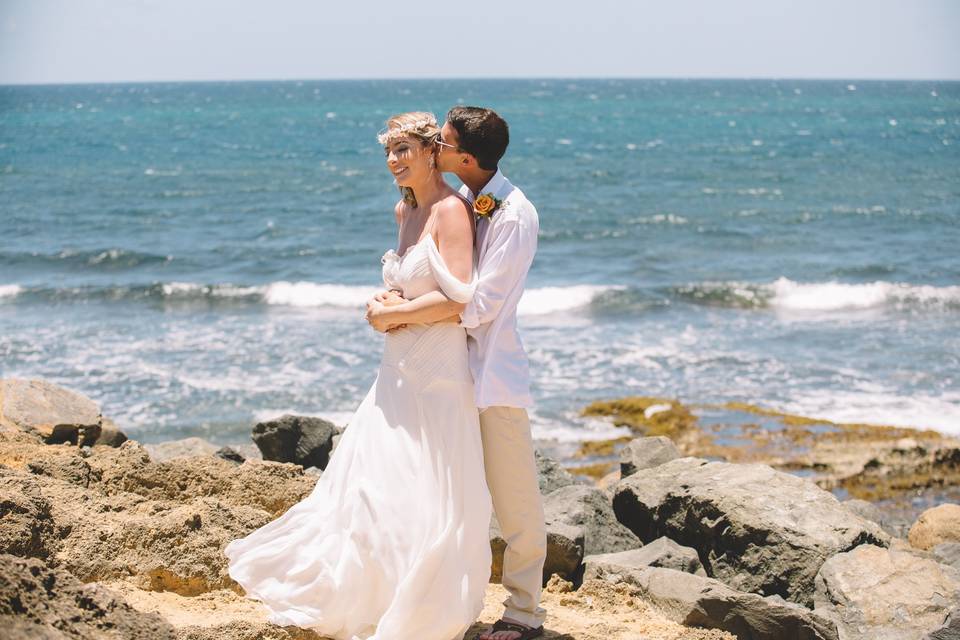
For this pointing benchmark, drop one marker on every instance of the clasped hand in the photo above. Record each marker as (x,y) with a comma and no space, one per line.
(377,313)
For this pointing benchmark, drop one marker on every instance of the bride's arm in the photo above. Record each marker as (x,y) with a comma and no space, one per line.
(455,232)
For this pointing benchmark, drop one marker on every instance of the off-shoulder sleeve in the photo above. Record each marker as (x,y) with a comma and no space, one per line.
(451,286)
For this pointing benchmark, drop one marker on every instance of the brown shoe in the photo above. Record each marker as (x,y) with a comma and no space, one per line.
(525,632)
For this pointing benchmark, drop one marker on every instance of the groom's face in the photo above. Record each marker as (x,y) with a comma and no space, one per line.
(449,155)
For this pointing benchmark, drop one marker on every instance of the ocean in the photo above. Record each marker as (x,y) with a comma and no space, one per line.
(195,256)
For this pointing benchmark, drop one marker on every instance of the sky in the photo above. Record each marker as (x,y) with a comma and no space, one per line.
(68,41)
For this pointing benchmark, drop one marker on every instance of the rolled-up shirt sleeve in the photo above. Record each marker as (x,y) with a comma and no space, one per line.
(508,257)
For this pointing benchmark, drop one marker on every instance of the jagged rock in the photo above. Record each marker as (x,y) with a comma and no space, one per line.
(589,509)
(754,528)
(161,526)
(65,463)
(935,526)
(271,486)
(949,630)
(643,453)
(662,552)
(303,440)
(230,454)
(698,601)
(874,593)
(948,553)
(26,526)
(607,483)
(56,414)
(110,434)
(896,527)
(250,451)
(579,520)
(18,447)
(37,601)
(182,448)
(906,467)
(564,551)
(155,544)
(551,475)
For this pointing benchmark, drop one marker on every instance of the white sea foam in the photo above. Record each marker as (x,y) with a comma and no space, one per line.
(188,289)
(881,406)
(835,296)
(10,290)
(551,299)
(582,430)
(310,294)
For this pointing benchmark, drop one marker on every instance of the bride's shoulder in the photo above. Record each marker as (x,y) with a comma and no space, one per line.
(453,215)
(453,205)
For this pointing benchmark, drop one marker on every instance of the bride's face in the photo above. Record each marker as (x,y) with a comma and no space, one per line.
(409,160)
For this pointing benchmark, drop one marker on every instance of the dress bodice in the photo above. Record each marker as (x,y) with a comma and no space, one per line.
(421,269)
(410,273)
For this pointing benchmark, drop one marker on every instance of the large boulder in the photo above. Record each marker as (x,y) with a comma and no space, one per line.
(874,593)
(54,413)
(579,521)
(754,528)
(698,601)
(662,552)
(110,434)
(948,553)
(563,557)
(643,453)
(551,475)
(39,602)
(894,524)
(303,440)
(936,526)
(588,509)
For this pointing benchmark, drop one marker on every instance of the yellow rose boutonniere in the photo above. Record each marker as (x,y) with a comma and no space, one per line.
(485,205)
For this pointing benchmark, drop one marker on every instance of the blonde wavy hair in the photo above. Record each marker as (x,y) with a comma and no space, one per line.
(417,124)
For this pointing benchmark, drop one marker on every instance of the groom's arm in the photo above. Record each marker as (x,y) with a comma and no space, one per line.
(456,250)
(507,259)
(431,307)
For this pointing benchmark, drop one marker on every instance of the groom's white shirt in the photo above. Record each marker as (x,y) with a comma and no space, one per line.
(505,245)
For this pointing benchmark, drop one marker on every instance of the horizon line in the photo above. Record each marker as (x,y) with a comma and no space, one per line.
(480,78)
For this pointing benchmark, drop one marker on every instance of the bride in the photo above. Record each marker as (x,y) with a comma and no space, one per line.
(392,543)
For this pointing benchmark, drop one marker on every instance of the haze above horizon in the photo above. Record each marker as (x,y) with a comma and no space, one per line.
(84,41)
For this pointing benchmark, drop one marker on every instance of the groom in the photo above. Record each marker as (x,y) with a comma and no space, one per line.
(472,142)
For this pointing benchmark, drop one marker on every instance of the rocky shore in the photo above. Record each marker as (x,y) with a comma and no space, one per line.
(766,526)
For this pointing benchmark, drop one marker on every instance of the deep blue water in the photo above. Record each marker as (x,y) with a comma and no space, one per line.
(194,256)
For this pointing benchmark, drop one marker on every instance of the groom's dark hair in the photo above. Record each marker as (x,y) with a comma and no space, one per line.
(482,133)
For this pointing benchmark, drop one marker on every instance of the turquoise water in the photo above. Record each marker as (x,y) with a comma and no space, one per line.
(195,256)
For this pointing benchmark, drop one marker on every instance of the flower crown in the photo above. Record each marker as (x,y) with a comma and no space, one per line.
(411,127)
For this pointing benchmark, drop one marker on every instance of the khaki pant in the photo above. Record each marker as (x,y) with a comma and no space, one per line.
(514,486)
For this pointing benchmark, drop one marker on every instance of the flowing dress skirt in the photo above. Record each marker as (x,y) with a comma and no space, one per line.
(392,543)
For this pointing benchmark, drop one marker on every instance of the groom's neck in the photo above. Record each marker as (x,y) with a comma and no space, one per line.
(475,179)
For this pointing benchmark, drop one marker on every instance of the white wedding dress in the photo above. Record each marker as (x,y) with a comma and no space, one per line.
(393,541)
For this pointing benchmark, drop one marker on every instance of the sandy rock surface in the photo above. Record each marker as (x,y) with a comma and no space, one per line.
(936,526)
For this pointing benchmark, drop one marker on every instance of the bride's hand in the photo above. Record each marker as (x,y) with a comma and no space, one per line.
(389,298)
(377,318)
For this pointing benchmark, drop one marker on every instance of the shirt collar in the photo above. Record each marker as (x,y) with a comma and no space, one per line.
(494,185)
